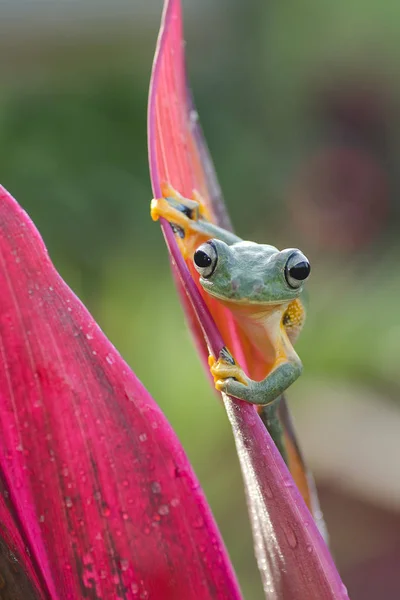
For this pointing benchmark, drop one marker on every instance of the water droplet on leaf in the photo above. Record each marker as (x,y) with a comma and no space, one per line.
(156,487)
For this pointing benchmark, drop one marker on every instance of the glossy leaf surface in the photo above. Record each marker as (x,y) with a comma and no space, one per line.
(99,500)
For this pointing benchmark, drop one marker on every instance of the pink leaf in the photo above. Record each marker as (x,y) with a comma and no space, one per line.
(99,499)
(293,559)
(178,154)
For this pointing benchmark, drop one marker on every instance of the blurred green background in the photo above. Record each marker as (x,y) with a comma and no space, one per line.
(299,102)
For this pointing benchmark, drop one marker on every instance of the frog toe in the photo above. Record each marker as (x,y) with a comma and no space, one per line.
(226,368)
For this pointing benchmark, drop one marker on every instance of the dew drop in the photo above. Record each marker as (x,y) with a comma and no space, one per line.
(125,516)
(89,336)
(110,359)
(163,510)
(41,519)
(198,523)
(193,116)
(68,502)
(124,564)
(142,437)
(134,588)
(156,487)
(105,510)
(318,516)
(310,549)
(195,485)
(175,502)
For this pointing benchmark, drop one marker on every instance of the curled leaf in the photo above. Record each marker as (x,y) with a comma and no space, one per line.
(179,155)
(292,556)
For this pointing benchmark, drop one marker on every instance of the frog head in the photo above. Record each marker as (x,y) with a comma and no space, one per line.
(247,272)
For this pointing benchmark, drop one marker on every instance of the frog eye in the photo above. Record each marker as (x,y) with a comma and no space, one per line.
(205,259)
(297,269)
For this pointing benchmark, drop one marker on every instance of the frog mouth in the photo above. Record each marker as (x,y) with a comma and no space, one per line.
(209,287)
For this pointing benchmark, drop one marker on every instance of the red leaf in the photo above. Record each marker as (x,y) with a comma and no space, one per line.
(178,154)
(101,499)
(293,559)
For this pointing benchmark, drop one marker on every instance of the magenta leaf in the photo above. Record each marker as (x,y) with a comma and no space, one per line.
(293,559)
(98,498)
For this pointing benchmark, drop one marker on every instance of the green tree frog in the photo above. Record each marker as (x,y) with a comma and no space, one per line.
(259,284)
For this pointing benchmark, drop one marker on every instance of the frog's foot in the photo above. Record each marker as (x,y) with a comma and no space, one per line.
(225,369)
(194,207)
(162,207)
(186,216)
(204,213)
(167,191)
(180,219)
(195,203)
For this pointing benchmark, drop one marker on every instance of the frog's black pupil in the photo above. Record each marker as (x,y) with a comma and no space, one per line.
(300,271)
(202,259)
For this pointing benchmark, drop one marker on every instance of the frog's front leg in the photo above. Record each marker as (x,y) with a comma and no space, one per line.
(232,380)
(191,216)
